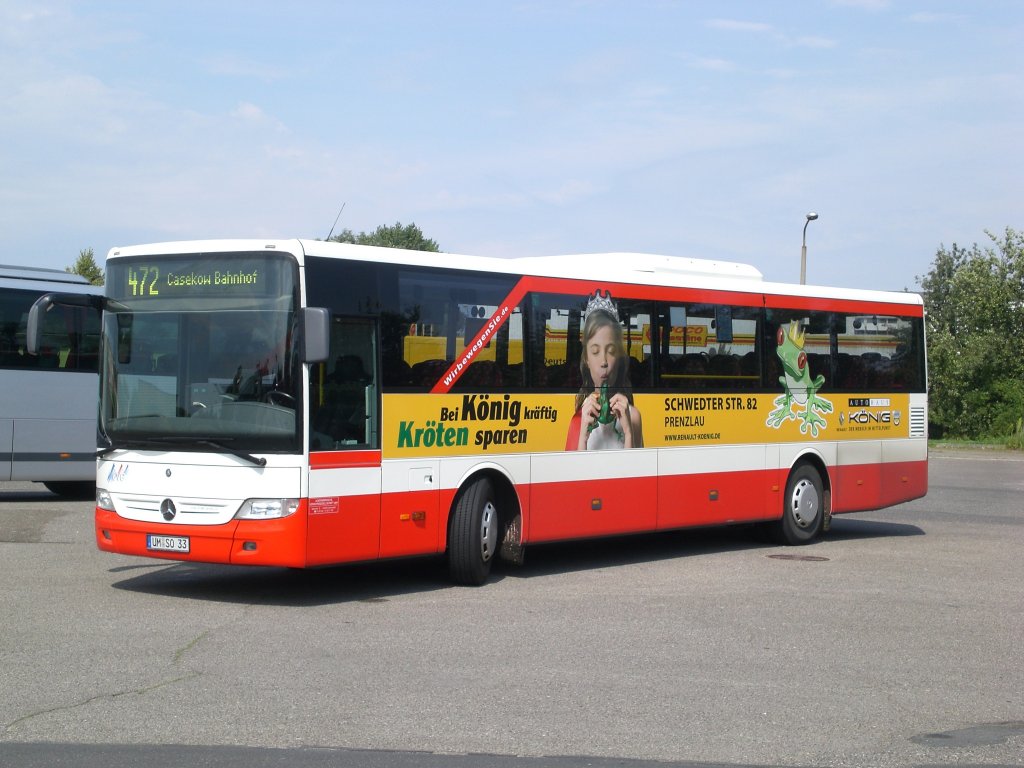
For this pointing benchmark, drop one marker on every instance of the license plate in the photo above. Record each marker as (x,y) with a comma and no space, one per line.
(167,543)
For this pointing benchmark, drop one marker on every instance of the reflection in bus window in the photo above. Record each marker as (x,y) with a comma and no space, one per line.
(708,347)
(343,392)
(444,314)
(878,352)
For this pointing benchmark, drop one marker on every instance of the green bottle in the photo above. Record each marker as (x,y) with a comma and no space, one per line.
(605,416)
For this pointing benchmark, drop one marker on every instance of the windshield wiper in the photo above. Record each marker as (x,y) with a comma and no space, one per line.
(101,452)
(212,442)
(259,461)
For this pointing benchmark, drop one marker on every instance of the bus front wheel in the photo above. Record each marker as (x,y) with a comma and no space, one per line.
(473,540)
(803,508)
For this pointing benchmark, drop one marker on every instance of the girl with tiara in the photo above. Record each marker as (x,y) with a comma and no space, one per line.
(605,415)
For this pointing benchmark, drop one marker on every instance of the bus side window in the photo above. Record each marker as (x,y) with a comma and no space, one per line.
(636,319)
(552,339)
(879,352)
(343,407)
(708,347)
(443,312)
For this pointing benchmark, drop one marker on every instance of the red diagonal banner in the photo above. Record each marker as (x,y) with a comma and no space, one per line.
(483,337)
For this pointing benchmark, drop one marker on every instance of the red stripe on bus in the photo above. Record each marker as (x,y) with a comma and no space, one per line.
(862,487)
(756,297)
(368,527)
(343,459)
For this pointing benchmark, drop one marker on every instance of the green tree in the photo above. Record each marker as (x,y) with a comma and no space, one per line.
(398,236)
(974,299)
(86,266)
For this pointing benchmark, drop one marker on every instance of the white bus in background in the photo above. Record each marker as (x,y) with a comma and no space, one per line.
(49,404)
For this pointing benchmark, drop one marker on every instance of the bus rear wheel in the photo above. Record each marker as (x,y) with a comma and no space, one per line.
(803,508)
(473,540)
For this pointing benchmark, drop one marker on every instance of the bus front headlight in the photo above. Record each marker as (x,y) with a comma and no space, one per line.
(266,509)
(103,500)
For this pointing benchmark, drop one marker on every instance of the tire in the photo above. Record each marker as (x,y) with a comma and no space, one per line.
(474,534)
(803,507)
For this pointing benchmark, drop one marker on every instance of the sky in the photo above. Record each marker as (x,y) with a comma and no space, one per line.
(520,127)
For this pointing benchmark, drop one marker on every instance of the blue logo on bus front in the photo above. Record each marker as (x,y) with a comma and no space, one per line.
(117,473)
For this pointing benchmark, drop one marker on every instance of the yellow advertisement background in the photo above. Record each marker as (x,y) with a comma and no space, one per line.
(681,419)
(461,424)
(456,425)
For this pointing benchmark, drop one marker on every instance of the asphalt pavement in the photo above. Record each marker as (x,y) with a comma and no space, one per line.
(893,641)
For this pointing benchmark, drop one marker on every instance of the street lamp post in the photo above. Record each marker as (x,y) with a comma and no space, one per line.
(803,249)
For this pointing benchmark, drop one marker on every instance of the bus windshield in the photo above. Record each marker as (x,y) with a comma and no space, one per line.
(200,354)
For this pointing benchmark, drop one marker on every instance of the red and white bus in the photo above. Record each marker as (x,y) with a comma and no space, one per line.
(302,403)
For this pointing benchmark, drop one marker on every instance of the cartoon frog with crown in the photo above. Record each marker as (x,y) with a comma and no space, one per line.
(799,388)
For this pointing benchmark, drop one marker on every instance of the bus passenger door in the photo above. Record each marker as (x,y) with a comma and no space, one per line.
(344,457)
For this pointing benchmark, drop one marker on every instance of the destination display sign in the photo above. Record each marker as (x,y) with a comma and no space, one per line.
(207,276)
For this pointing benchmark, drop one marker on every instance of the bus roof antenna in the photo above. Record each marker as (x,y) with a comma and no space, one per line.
(336,220)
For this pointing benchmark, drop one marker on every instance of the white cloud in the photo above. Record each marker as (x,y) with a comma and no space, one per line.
(251,112)
(759,28)
(232,65)
(714,65)
(732,25)
(868,5)
(570,191)
(926,17)
(811,41)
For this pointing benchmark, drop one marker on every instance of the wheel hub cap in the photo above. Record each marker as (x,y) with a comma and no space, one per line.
(805,504)
(488,531)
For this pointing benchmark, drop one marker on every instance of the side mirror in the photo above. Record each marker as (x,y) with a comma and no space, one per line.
(34,326)
(316,334)
(42,305)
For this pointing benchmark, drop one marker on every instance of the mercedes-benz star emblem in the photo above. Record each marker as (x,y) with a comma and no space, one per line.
(167,509)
